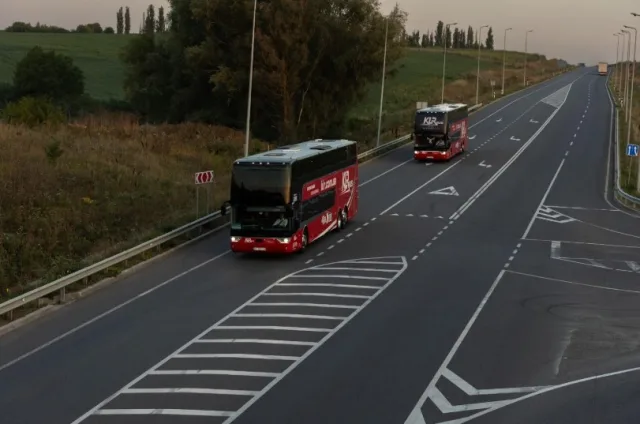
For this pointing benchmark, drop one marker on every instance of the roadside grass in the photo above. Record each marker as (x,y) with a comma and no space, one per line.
(75,194)
(627,166)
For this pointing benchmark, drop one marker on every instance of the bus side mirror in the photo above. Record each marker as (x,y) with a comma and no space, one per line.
(223,208)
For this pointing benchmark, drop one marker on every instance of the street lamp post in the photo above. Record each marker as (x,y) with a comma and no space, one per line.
(633,74)
(504,57)
(526,35)
(632,81)
(626,70)
(478,73)
(616,76)
(384,71)
(253,43)
(444,59)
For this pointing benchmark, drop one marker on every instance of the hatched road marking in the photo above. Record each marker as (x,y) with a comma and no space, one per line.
(233,363)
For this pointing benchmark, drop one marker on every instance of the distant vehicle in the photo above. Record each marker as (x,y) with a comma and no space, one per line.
(440,131)
(603,68)
(286,198)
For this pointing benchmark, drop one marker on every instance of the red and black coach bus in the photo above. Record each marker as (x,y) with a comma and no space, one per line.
(286,198)
(440,131)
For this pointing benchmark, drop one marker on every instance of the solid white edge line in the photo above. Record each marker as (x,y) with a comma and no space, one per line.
(576,283)
(412,419)
(108,312)
(544,198)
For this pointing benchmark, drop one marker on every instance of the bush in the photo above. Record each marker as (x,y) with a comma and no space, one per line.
(48,74)
(32,111)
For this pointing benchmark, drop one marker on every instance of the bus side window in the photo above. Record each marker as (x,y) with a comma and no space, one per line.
(318,204)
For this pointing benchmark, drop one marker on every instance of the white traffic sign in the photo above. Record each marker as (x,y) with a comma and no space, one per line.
(204,177)
(447,191)
(632,149)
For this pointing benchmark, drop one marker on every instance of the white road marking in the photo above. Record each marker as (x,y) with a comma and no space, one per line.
(183,412)
(447,191)
(575,283)
(514,139)
(194,390)
(412,419)
(399,262)
(385,173)
(469,390)
(544,198)
(506,166)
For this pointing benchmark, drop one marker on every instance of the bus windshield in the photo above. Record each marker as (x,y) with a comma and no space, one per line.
(430,142)
(260,186)
(261,219)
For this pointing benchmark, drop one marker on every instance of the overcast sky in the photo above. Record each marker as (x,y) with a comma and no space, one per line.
(576,30)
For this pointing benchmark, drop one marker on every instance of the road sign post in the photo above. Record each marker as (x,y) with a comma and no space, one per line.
(493,88)
(207,179)
(632,150)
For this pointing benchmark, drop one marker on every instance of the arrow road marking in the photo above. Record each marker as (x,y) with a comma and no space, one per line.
(472,137)
(514,139)
(447,191)
(484,165)
(533,122)
(499,120)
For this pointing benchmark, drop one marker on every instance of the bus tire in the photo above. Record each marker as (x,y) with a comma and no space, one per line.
(340,223)
(345,217)
(305,241)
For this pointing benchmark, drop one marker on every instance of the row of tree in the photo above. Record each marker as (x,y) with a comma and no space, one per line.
(91,28)
(457,39)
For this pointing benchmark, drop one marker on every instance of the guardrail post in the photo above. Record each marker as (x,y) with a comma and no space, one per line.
(63,292)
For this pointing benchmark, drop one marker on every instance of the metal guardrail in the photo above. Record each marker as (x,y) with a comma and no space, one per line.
(620,195)
(77,276)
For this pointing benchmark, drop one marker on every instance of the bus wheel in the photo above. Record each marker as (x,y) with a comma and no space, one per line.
(345,217)
(341,220)
(305,241)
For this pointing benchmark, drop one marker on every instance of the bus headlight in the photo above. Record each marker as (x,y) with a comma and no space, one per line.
(235,239)
(285,240)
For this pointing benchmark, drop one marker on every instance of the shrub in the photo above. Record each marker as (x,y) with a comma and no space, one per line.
(32,111)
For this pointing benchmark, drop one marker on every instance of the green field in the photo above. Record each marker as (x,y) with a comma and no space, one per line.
(415,76)
(95,54)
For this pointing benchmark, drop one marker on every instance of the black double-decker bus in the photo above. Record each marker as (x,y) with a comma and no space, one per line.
(440,131)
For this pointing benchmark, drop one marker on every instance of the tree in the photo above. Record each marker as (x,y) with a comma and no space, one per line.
(313,61)
(120,21)
(439,34)
(432,40)
(161,25)
(48,74)
(470,37)
(150,21)
(462,42)
(127,21)
(425,40)
(456,38)
(489,42)
(109,30)
(448,36)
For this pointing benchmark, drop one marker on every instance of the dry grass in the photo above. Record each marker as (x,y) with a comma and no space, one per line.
(114,184)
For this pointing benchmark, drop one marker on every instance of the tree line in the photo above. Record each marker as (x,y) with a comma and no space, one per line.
(149,24)
(458,39)
(90,28)
(313,61)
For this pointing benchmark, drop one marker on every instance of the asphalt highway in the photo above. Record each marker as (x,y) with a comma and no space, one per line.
(379,323)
